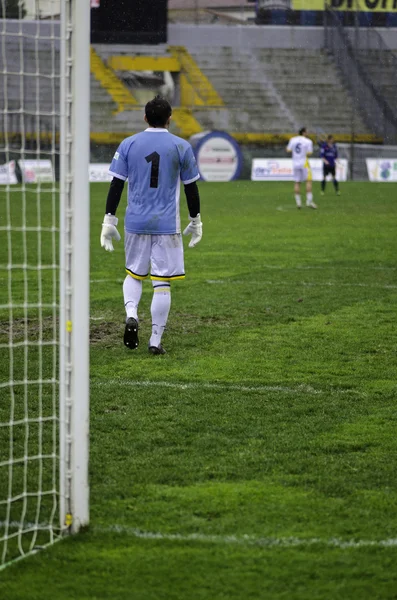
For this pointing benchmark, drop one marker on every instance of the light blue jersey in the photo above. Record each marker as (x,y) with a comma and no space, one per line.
(154,162)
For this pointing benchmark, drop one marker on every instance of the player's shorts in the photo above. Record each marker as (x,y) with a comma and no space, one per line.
(328,170)
(160,256)
(301,174)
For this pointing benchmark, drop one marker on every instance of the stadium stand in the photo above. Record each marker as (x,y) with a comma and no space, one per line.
(258,91)
(381,65)
(252,104)
(310,84)
(107,78)
(275,89)
(34,92)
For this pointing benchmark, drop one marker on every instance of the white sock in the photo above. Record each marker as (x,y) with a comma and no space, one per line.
(309,198)
(160,309)
(132,290)
(298,200)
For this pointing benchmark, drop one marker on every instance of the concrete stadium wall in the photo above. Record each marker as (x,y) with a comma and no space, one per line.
(237,36)
(258,36)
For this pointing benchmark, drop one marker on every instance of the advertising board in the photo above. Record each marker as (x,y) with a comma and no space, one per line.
(280,169)
(218,156)
(37,171)
(7,173)
(382,169)
(99,172)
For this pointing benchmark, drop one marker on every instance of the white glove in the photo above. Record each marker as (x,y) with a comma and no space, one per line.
(195,227)
(109,231)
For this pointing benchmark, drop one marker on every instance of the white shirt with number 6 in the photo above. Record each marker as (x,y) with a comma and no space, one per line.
(300,146)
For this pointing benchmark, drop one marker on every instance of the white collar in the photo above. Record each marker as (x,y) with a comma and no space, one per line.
(157,129)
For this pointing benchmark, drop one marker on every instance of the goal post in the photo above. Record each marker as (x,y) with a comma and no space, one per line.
(44,275)
(74,262)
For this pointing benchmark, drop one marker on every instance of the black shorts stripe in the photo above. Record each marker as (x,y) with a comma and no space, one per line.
(137,275)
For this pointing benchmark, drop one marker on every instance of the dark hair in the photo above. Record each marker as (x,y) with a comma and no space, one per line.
(302,130)
(330,137)
(158,111)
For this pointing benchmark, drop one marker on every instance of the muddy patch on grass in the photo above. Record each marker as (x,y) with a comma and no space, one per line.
(32,329)
(106,333)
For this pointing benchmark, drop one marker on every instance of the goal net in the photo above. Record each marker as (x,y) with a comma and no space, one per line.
(44,273)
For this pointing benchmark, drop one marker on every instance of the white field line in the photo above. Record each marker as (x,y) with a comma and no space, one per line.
(276,283)
(243,540)
(227,387)
(322,267)
(336,284)
(248,540)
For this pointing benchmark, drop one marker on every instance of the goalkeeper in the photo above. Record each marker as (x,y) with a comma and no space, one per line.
(154,161)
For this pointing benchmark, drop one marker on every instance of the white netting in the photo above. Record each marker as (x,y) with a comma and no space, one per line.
(29,275)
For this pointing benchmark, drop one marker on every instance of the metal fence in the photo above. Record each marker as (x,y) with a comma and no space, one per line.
(368,99)
(357,154)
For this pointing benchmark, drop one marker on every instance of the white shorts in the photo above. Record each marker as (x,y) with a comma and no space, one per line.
(161,256)
(300,174)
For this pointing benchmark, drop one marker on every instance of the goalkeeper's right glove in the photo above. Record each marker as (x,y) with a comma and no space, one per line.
(109,231)
(195,227)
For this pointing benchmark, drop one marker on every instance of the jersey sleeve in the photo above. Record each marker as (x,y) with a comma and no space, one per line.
(310,147)
(119,166)
(322,151)
(189,169)
(290,145)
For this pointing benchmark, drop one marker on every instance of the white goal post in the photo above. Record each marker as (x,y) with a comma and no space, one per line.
(44,276)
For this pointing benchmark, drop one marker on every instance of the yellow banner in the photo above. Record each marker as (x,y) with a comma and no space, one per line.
(347,5)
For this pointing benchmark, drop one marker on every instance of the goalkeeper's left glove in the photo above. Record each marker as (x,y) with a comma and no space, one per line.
(109,231)
(195,227)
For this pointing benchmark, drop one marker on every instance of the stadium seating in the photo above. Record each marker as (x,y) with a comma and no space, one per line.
(276,90)
(252,104)
(381,67)
(254,91)
(38,93)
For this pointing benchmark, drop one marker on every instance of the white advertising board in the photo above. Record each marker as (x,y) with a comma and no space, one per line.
(280,169)
(382,169)
(7,173)
(99,172)
(37,171)
(218,155)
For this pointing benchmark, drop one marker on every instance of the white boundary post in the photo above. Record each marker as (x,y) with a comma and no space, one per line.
(75,229)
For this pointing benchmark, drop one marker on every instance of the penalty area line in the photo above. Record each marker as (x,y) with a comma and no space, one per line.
(242,540)
(226,387)
(248,540)
(263,282)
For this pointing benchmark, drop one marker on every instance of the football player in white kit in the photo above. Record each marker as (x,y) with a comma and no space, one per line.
(301,147)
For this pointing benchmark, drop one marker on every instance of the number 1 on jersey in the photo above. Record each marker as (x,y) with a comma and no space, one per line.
(154,158)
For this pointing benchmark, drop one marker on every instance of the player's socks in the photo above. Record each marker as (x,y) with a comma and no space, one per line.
(323,184)
(132,290)
(298,200)
(336,186)
(309,200)
(160,309)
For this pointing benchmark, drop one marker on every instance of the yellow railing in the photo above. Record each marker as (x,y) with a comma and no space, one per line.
(144,63)
(185,121)
(196,85)
(262,139)
(119,93)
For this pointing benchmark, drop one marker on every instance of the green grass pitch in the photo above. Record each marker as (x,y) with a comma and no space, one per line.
(257,458)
